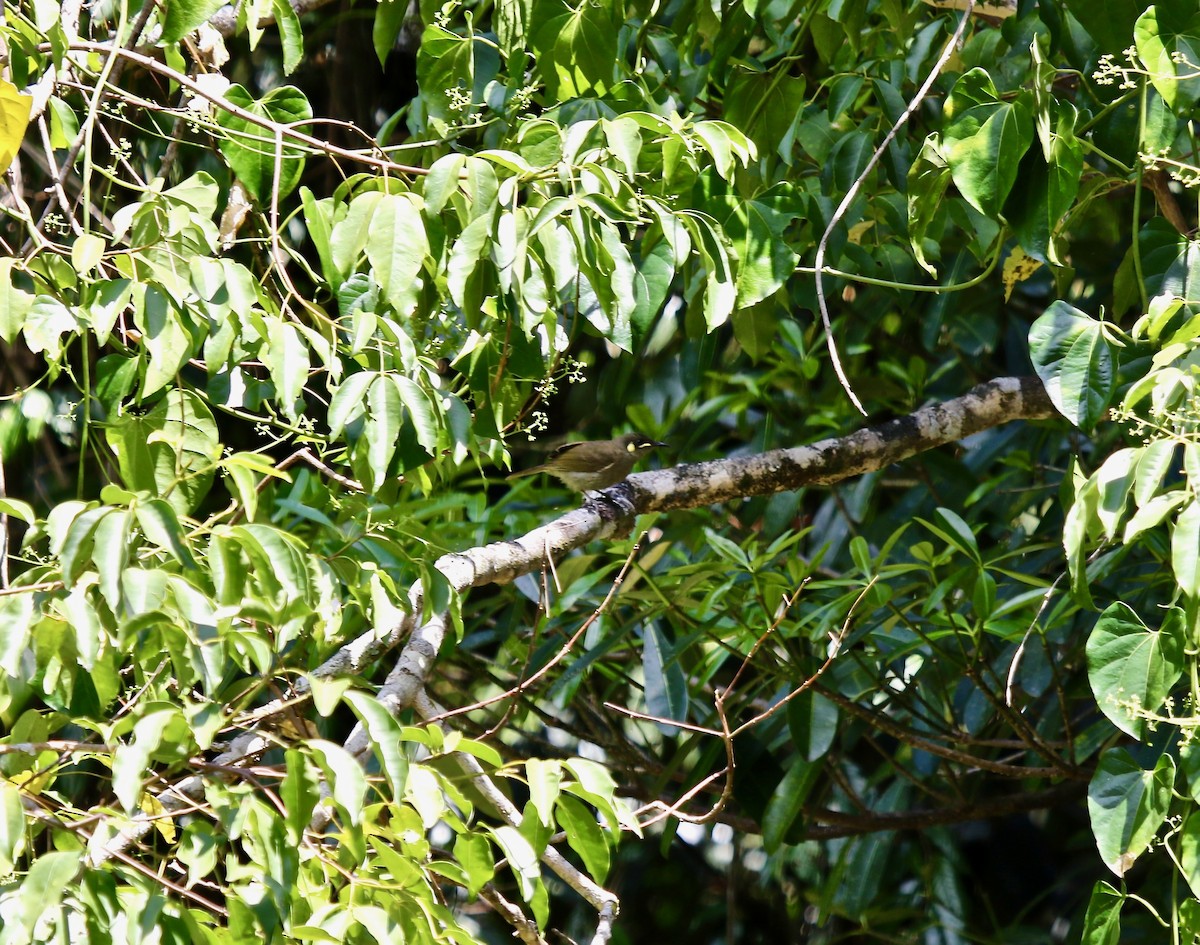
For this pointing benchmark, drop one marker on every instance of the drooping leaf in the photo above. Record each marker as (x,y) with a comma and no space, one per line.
(1075,361)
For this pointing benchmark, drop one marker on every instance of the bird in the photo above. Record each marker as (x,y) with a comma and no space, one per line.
(593,464)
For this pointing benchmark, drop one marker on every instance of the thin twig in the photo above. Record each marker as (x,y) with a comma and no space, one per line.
(819,263)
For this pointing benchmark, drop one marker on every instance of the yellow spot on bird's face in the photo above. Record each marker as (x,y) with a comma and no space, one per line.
(634,447)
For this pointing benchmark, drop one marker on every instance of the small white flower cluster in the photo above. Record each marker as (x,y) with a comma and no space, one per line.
(1108,72)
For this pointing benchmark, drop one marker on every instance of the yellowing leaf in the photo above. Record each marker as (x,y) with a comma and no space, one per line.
(1017,268)
(15,107)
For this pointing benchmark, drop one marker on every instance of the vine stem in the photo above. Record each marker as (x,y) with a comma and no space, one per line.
(852,192)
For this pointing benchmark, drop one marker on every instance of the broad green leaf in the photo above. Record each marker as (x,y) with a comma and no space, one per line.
(349,402)
(277,557)
(1133,668)
(171,452)
(766,105)
(813,723)
(14,302)
(420,411)
(423,790)
(1102,924)
(521,859)
(397,247)
(453,71)
(983,144)
(184,16)
(1189,851)
(1167,36)
(46,321)
(1127,805)
(287,358)
(1154,461)
(164,335)
(1075,361)
(1152,513)
(350,234)
(254,151)
(318,220)
(473,851)
(1170,261)
(577,51)
(651,284)
(596,786)
(160,525)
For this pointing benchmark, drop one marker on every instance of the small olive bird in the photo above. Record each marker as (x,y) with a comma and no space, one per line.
(593,464)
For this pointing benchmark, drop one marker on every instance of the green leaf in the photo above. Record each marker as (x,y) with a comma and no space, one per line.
(787,802)
(286,357)
(41,892)
(984,142)
(766,106)
(544,778)
(253,151)
(1185,549)
(453,70)
(184,16)
(130,761)
(1170,261)
(419,409)
(813,723)
(384,415)
(1075,361)
(14,302)
(474,853)
(344,776)
(290,34)
(1132,668)
(665,682)
(576,51)
(1102,924)
(45,323)
(1127,805)
(12,826)
(522,859)
(384,733)
(397,247)
(171,452)
(349,402)
(1167,36)
(584,836)
(928,179)
(160,525)
(278,557)
(1114,481)
(1189,851)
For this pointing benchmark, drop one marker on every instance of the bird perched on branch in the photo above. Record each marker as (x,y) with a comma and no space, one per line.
(594,464)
